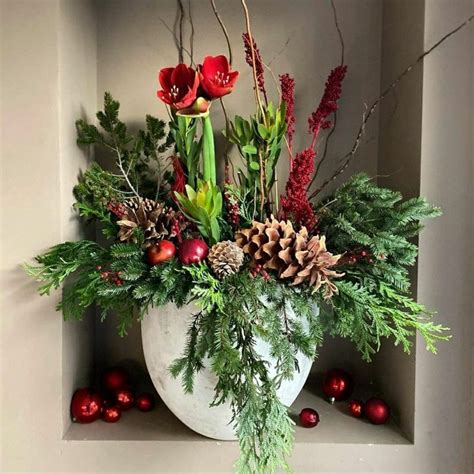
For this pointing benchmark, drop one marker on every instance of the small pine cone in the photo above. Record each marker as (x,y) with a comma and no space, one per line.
(225,258)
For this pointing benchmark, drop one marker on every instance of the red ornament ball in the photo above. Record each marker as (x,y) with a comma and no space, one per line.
(309,418)
(112,414)
(376,411)
(114,379)
(161,252)
(145,402)
(356,408)
(193,251)
(337,385)
(124,399)
(86,406)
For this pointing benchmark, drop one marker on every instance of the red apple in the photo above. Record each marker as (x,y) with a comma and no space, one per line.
(86,406)
(193,251)
(161,252)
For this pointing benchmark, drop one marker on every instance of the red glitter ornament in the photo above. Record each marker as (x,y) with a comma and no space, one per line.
(337,385)
(114,379)
(356,408)
(309,418)
(124,399)
(112,414)
(145,402)
(376,411)
(86,406)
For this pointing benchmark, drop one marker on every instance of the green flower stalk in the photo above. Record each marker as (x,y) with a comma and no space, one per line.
(208,151)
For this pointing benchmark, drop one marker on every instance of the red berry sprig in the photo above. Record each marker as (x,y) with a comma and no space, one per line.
(116,208)
(111,277)
(259,270)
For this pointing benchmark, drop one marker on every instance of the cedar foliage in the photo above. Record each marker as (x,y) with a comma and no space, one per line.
(374,299)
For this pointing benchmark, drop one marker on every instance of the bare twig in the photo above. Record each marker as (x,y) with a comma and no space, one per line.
(175,38)
(224,29)
(191,36)
(252,49)
(333,129)
(180,30)
(339,32)
(348,156)
(282,50)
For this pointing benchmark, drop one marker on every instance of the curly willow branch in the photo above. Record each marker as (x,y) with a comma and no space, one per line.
(334,124)
(223,27)
(348,156)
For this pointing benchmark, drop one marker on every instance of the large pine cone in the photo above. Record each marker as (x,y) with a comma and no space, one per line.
(275,245)
(225,258)
(152,217)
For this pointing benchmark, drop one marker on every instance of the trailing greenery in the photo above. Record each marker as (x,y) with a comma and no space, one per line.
(374,297)
(233,314)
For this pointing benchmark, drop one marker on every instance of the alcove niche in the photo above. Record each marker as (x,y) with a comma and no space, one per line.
(119,45)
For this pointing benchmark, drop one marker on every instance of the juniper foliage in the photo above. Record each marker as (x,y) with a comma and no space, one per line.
(374,299)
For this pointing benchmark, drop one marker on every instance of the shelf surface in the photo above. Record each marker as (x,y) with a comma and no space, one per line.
(336,426)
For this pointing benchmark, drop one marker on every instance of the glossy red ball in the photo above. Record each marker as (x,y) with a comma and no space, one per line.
(86,406)
(193,251)
(145,402)
(376,411)
(309,418)
(114,379)
(161,252)
(112,414)
(337,385)
(124,399)
(356,408)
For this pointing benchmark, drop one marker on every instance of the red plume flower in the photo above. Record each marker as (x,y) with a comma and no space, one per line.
(180,85)
(328,105)
(287,84)
(259,69)
(217,77)
(295,204)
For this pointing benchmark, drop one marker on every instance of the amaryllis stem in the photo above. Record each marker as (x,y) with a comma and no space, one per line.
(208,151)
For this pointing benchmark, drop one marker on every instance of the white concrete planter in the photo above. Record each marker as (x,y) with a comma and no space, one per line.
(164,335)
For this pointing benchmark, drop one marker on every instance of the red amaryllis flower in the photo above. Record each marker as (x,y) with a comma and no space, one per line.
(180,85)
(217,78)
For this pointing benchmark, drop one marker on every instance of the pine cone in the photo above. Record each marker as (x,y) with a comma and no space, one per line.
(154,218)
(225,258)
(275,245)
